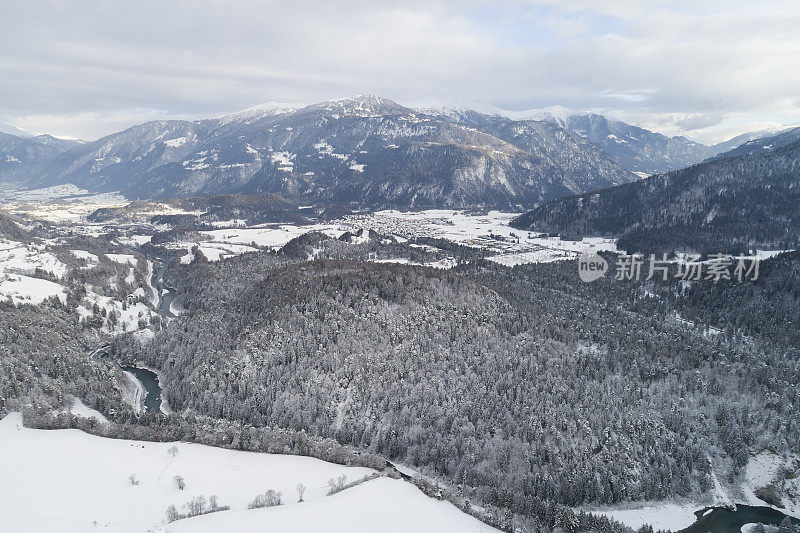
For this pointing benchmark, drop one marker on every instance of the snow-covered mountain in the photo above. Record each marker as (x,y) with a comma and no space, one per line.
(22,157)
(365,151)
(260,111)
(482,111)
(760,141)
(747,199)
(636,149)
(11,129)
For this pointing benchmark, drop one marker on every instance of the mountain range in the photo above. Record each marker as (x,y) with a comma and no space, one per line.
(364,152)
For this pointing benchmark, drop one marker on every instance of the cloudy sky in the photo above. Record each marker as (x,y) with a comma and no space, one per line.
(704,69)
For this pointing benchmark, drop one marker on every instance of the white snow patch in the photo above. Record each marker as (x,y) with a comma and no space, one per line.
(123,259)
(133,392)
(660,515)
(768,468)
(90,258)
(176,143)
(27,258)
(80,409)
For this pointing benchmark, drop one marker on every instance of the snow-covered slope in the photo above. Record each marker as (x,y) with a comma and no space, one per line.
(557,114)
(267,109)
(383,504)
(67,480)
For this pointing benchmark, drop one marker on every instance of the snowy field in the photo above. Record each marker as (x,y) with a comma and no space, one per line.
(489,232)
(18,262)
(662,516)
(67,480)
(385,505)
(222,243)
(68,204)
(19,289)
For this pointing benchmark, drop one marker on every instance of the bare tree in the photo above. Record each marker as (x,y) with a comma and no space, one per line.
(196,506)
(179,482)
(301,490)
(268,499)
(336,485)
(133,480)
(173,514)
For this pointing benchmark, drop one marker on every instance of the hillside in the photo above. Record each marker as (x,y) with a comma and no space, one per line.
(22,158)
(729,204)
(763,143)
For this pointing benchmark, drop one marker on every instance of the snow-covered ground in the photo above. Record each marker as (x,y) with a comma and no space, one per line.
(762,469)
(661,515)
(26,290)
(383,504)
(80,409)
(221,243)
(26,258)
(67,480)
(490,231)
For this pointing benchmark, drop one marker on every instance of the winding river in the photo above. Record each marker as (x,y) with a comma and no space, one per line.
(148,378)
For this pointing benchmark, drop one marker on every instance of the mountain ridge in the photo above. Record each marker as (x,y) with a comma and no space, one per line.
(733,203)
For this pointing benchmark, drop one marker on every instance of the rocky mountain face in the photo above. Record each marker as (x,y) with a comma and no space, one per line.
(636,149)
(363,151)
(732,203)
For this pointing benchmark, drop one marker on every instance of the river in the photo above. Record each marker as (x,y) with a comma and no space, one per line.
(166,294)
(149,380)
(724,520)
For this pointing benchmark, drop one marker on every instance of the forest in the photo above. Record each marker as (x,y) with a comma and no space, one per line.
(518,385)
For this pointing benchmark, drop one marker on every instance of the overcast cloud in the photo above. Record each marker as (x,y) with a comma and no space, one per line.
(705,69)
